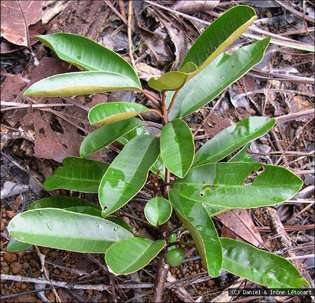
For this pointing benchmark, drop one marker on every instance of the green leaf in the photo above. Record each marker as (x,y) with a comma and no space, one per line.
(88,210)
(169,81)
(60,202)
(232,138)
(109,112)
(260,266)
(188,67)
(77,174)
(88,55)
(196,220)
(120,222)
(158,167)
(106,135)
(80,83)
(227,185)
(128,173)
(69,203)
(157,211)
(219,35)
(242,156)
(132,134)
(128,256)
(216,77)
(177,147)
(63,229)
(17,246)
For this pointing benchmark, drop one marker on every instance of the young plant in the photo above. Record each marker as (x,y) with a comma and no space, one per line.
(197,185)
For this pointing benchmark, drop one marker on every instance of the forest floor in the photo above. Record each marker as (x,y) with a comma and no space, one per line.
(37,134)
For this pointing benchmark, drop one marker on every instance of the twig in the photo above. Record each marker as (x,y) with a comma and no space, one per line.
(130,13)
(288,228)
(98,287)
(161,279)
(16,105)
(46,273)
(259,73)
(291,9)
(121,4)
(294,116)
(310,256)
(112,7)
(289,153)
(265,90)
(279,40)
(152,98)
(181,292)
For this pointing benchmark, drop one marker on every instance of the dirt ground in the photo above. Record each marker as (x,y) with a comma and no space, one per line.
(37,134)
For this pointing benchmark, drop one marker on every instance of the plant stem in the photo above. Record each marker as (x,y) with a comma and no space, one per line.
(164,109)
(173,100)
(163,268)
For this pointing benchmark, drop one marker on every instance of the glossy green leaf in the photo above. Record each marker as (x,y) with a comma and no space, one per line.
(219,35)
(120,222)
(232,138)
(158,167)
(80,83)
(169,81)
(17,246)
(88,210)
(63,229)
(106,135)
(76,205)
(132,134)
(216,77)
(242,156)
(196,220)
(260,266)
(128,173)
(109,112)
(128,256)
(188,67)
(230,185)
(88,55)
(157,211)
(60,202)
(177,147)
(77,174)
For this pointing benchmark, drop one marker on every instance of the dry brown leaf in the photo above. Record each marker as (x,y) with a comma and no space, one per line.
(188,6)
(12,86)
(146,71)
(52,144)
(239,223)
(179,40)
(156,43)
(52,9)
(13,27)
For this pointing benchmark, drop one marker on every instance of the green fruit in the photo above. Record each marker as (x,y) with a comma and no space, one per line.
(172,238)
(174,257)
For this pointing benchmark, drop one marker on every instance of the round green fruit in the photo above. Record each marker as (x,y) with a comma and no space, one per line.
(175,256)
(172,238)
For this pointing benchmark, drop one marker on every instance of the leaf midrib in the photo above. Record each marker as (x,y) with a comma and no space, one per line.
(139,257)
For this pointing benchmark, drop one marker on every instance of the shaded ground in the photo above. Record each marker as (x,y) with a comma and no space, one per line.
(34,140)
